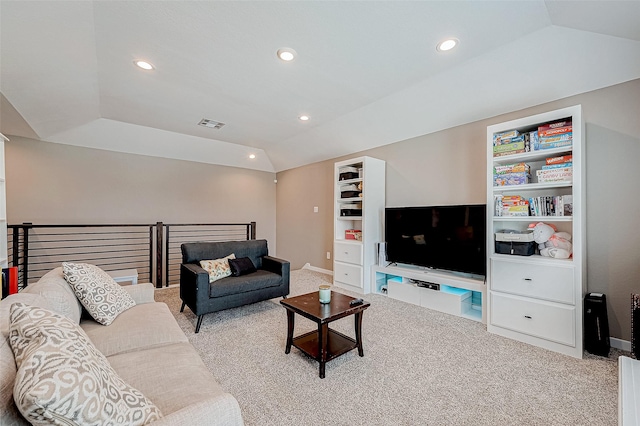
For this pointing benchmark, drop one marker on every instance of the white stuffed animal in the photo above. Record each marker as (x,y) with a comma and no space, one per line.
(551,243)
(541,232)
(559,246)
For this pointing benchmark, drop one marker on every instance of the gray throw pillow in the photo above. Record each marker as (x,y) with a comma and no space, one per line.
(101,296)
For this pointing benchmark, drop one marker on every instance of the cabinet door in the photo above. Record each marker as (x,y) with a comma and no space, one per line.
(348,274)
(546,320)
(349,253)
(540,281)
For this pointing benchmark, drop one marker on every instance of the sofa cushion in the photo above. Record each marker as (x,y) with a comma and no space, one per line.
(101,296)
(217,268)
(251,282)
(141,327)
(241,266)
(173,376)
(63,379)
(53,287)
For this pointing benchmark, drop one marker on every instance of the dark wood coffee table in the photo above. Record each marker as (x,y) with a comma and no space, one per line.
(324,344)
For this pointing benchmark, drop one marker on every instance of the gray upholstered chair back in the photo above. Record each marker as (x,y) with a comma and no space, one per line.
(253,249)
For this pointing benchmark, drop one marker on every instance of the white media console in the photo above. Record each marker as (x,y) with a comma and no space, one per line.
(457,294)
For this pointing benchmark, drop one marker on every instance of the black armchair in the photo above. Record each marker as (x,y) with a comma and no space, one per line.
(270,280)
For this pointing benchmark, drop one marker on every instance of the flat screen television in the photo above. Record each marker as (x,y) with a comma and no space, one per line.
(452,238)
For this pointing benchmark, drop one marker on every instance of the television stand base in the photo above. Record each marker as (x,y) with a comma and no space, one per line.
(443,291)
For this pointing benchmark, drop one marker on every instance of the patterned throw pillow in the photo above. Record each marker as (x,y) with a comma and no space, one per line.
(63,379)
(217,268)
(101,296)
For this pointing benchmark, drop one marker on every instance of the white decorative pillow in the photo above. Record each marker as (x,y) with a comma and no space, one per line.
(217,268)
(101,296)
(63,379)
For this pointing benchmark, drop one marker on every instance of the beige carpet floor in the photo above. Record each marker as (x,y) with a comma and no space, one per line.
(420,367)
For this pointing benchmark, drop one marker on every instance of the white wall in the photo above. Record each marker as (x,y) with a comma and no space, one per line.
(50,183)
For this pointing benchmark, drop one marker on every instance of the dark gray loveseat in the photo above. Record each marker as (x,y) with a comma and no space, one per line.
(269,281)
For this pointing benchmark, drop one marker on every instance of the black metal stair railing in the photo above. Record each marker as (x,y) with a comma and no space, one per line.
(176,234)
(152,249)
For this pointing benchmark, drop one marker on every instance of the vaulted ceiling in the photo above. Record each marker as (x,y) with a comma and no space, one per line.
(367,73)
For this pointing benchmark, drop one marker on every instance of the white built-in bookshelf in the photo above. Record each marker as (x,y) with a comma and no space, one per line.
(359,200)
(537,299)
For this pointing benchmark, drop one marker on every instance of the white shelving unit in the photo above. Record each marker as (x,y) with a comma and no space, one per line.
(352,259)
(536,299)
(3,207)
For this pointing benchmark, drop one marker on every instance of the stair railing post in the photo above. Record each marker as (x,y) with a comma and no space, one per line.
(159,249)
(26,226)
(166,258)
(151,252)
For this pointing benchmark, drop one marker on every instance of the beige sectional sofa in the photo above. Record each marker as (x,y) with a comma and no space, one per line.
(144,345)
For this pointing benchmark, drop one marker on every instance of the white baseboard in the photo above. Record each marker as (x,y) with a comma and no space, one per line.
(316,269)
(624,345)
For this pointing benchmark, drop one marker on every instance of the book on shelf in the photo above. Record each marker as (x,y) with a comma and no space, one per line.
(567,205)
(554,125)
(511,205)
(556,166)
(556,131)
(507,179)
(556,138)
(513,200)
(551,205)
(551,145)
(559,159)
(515,211)
(555,175)
(514,146)
(512,168)
(502,154)
(545,205)
(504,137)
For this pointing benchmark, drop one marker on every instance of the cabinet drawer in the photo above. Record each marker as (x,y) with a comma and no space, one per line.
(349,253)
(403,291)
(553,283)
(348,274)
(536,318)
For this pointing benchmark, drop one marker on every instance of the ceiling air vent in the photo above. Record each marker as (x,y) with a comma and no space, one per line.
(210,123)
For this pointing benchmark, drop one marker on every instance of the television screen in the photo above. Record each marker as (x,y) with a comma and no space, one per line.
(440,237)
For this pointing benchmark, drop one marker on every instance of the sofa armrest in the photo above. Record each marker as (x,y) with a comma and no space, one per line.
(280,267)
(141,293)
(222,410)
(275,265)
(194,286)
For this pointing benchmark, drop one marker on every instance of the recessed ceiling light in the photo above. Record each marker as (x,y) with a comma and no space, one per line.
(304,118)
(447,44)
(287,54)
(252,156)
(144,65)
